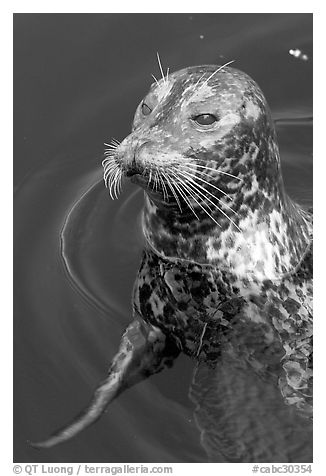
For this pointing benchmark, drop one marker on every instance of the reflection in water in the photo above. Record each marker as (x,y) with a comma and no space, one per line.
(89,240)
(243,417)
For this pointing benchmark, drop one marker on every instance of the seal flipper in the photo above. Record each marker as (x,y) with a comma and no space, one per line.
(144,350)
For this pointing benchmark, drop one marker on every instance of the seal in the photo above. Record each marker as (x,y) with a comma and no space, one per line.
(228,256)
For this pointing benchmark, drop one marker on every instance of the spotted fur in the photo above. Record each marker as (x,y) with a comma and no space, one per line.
(228,256)
(204,284)
(268,323)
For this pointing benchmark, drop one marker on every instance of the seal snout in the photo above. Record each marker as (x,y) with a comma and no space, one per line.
(142,156)
(133,156)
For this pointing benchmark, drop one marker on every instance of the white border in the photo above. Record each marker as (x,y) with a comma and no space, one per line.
(7,8)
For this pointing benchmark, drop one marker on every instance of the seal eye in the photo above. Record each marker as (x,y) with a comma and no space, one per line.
(205,119)
(146,110)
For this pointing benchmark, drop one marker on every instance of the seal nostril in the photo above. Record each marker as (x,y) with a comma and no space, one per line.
(141,146)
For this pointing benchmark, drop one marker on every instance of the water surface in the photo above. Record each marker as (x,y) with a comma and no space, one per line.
(78,79)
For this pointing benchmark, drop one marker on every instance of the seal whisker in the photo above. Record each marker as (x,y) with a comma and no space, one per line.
(215,170)
(186,197)
(215,72)
(170,183)
(109,173)
(109,151)
(150,177)
(109,186)
(165,193)
(112,179)
(183,195)
(153,177)
(203,188)
(119,187)
(192,184)
(109,169)
(163,186)
(107,160)
(106,178)
(200,203)
(198,82)
(192,166)
(198,176)
(194,193)
(116,182)
(119,183)
(160,65)
(207,198)
(155,79)
(164,178)
(155,180)
(191,195)
(168,180)
(112,146)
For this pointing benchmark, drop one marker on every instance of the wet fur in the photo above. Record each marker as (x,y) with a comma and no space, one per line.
(228,256)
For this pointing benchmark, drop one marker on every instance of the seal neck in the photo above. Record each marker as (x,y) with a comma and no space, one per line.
(266,242)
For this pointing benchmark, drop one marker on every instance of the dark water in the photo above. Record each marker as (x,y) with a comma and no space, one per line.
(78,79)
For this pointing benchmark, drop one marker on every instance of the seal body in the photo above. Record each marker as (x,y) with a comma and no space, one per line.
(227,264)
(242,271)
(265,324)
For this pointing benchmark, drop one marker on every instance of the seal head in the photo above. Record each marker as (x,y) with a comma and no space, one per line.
(204,148)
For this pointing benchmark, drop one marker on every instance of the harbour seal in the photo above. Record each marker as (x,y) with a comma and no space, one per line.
(228,255)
